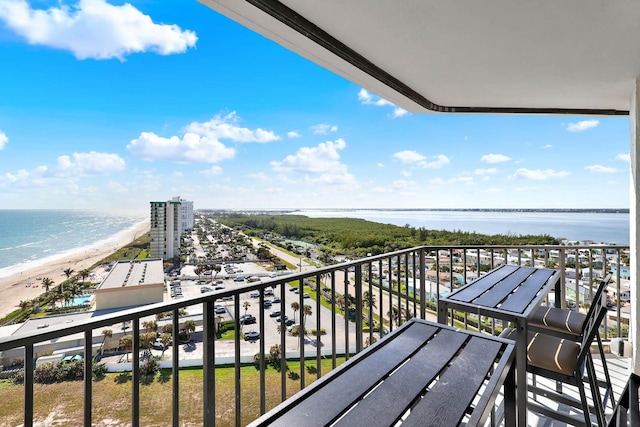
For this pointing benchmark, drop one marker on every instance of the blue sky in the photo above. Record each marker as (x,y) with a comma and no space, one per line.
(106,104)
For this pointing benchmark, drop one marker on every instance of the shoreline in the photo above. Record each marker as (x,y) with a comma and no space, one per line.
(16,288)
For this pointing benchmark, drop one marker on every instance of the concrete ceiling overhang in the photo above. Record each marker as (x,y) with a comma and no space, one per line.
(484,56)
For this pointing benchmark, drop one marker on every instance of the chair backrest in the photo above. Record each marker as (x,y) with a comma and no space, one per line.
(598,297)
(590,328)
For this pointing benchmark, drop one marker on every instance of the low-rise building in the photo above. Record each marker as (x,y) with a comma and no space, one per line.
(131,283)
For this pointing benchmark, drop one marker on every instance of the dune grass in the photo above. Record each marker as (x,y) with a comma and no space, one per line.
(61,404)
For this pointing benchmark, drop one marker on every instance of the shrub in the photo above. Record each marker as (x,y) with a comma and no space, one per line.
(149,367)
(315,332)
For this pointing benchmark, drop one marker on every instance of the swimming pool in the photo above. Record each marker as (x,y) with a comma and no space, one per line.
(79,300)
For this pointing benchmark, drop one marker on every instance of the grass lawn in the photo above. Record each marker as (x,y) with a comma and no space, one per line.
(61,404)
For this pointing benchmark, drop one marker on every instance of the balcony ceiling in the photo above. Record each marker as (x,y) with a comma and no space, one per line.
(509,56)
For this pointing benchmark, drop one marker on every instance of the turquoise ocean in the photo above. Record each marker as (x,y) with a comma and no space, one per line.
(33,237)
(29,238)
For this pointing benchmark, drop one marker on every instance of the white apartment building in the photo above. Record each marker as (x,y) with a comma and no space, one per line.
(165,229)
(186,214)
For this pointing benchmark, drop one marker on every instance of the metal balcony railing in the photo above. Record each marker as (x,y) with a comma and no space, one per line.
(350,306)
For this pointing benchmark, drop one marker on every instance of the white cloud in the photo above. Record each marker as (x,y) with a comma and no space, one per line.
(260,176)
(582,126)
(547,146)
(380,165)
(600,169)
(367,98)
(488,171)
(409,156)
(212,171)
(454,180)
(405,187)
(293,134)
(539,174)
(200,142)
(494,158)
(625,157)
(95,29)
(323,158)
(24,178)
(4,139)
(220,127)
(92,163)
(413,157)
(405,173)
(324,128)
(190,148)
(177,174)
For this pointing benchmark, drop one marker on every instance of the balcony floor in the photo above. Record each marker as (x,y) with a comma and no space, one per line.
(619,372)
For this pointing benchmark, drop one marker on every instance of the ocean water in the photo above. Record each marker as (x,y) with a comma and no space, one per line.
(29,238)
(604,227)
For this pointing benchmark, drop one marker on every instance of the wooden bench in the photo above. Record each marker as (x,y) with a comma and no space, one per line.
(423,373)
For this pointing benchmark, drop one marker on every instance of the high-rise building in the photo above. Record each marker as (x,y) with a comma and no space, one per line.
(186,214)
(165,229)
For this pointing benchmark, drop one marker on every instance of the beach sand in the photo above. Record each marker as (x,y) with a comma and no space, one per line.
(16,288)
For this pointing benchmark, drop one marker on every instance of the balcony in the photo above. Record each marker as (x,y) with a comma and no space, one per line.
(356,304)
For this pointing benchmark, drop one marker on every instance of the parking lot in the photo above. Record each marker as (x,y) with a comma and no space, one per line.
(274,303)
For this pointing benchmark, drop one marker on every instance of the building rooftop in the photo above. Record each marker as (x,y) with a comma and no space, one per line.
(134,273)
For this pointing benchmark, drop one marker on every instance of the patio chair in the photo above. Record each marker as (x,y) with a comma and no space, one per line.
(569,324)
(566,361)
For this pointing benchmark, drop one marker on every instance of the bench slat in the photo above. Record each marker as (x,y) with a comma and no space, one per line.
(401,389)
(502,289)
(335,393)
(447,401)
(532,286)
(481,284)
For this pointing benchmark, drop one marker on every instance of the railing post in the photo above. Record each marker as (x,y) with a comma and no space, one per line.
(88,375)
(175,368)
(563,276)
(208,364)
(423,290)
(28,385)
(135,374)
(358,291)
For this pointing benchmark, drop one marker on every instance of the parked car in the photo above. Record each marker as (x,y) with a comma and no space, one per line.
(276,300)
(274,314)
(267,303)
(289,322)
(255,294)
(205,289)
(247,319)
(239,279)
(220,310)
(251,335)
(305,295)
(279,319)
(268,291)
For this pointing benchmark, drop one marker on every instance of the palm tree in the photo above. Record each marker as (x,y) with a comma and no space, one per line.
(126,342)
(217,268)
(306,311)
(369,300)
(165,339)
(246,306)
(106,333)
(67,272)
(295,307)
(84,274)
(47,283)
(150,326)
(189,326)
(167,328)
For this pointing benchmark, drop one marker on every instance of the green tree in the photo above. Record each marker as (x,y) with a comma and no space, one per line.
(84,274)
(47,283)
(165,339)
(295,307)
(189,326)
(126,342)
(106,333)
(306,311)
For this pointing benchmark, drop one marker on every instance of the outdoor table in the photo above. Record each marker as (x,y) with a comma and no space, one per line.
(423,373)
(509,293)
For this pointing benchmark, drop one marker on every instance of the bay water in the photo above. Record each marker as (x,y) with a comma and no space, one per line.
(29,238)
(600,227)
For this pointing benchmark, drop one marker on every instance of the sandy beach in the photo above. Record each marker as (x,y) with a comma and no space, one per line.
(16,288)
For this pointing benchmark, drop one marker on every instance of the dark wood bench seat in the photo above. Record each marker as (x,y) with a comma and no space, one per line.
(423,373)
